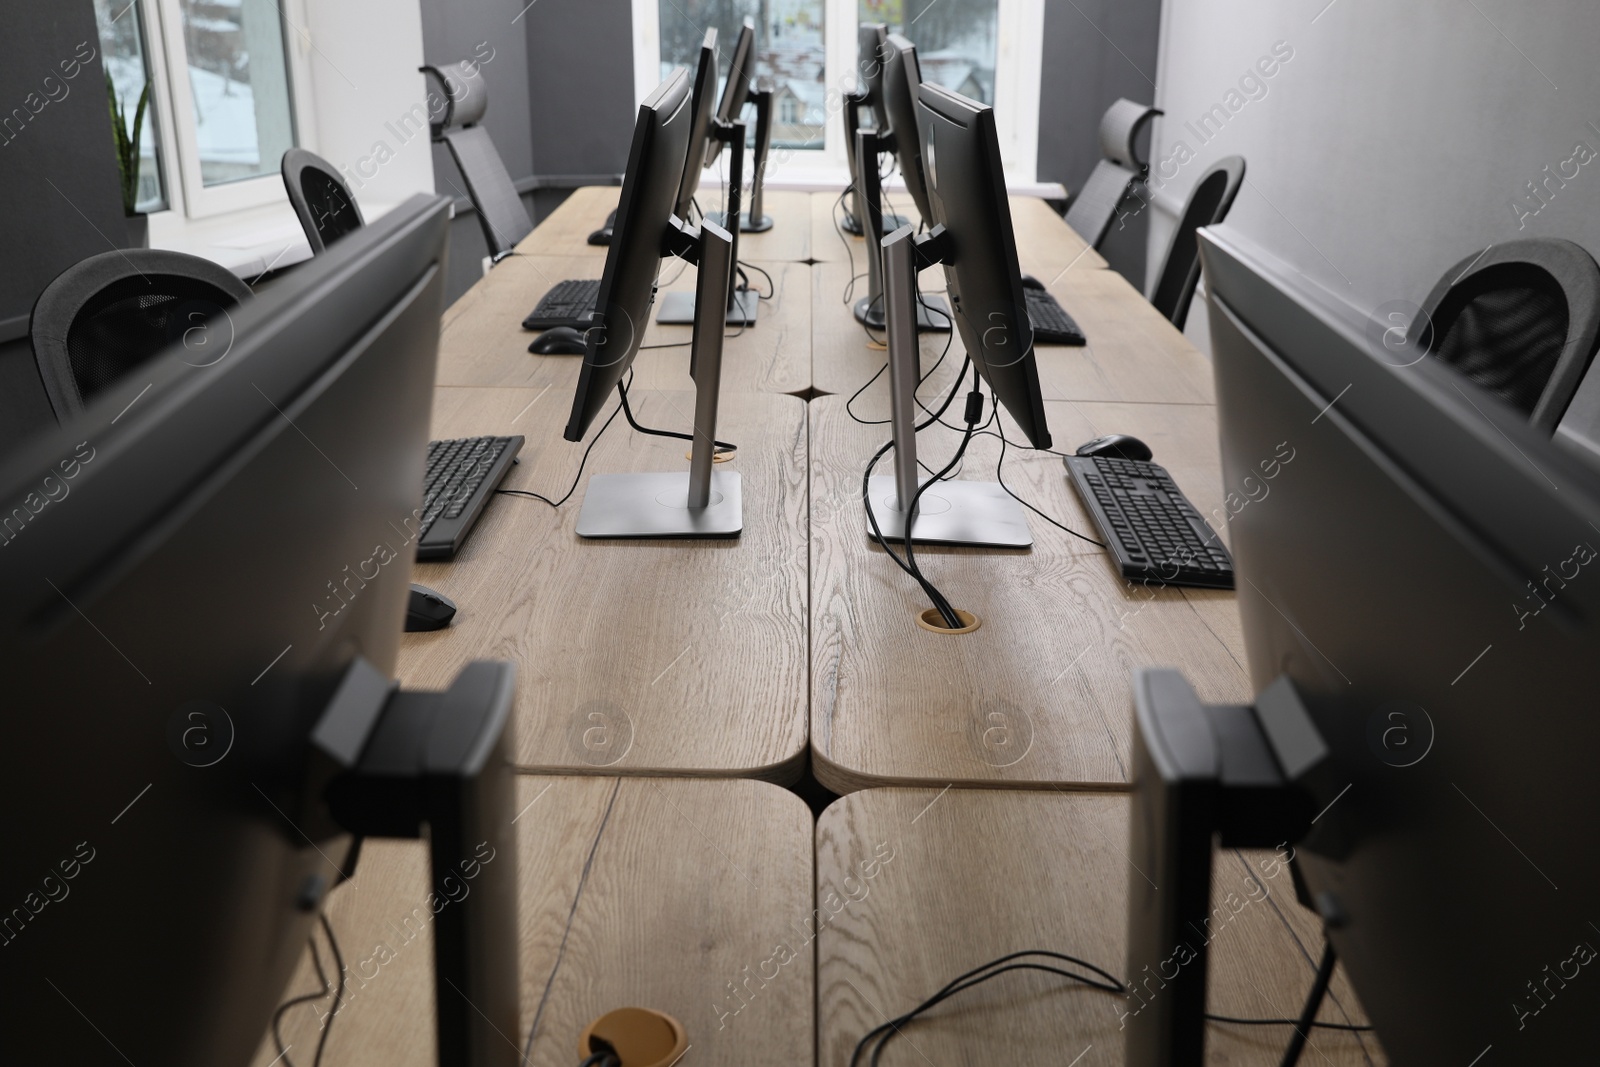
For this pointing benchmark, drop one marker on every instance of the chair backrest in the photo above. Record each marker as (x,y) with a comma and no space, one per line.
(1096,204)
(1209,203)
(105,315)
(500,212)
(1521,319)
(321,199)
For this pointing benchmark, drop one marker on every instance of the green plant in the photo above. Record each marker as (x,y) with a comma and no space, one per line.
(127,143)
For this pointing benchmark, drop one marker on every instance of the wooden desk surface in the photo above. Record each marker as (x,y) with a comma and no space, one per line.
(565,231)
(1042,692)
(645,892)
(633,657)
(483,343)
(1133,352)
(978,874)
(1046,246)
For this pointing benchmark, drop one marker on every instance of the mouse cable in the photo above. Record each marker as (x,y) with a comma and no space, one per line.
(720,447)
(578,477)
(1110,984)
(1000,476)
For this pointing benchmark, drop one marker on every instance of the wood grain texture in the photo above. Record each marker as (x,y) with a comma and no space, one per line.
(1042,692)
(483,342)
(1133,353)
(655,893)
(978,874)
(1046,246)
(565,231)
(633,657)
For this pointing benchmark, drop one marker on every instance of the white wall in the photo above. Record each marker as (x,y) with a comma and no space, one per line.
(1395,140)
(365,80)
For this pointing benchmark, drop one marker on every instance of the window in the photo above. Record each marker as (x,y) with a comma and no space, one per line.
(806,53)
(222,99)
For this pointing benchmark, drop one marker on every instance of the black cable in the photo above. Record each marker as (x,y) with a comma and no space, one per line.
(1308,1014)
(606,1057)
(721,447)
(306,998)
(578,477)
(772,287)
(848,410)
(946,611)
(1000,476)
(1349,1028)
(338,996)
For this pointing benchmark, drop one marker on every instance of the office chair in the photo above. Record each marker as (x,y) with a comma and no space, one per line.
(1209,203)
(505,221)
(320,198)
(105,315)
(1115,176)
(1522,320)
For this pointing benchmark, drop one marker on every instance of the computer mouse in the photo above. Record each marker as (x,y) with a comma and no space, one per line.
(428,610)
(1030,282)
(559,341)
(1117,444)
(601,236)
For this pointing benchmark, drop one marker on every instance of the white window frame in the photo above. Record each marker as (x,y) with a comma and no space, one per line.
(173,103)
(1018,68)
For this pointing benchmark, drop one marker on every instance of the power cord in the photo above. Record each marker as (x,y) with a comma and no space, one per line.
(1107,983)
(772,287)
(578,477)
(322,976)
(1000,476)
(722,447)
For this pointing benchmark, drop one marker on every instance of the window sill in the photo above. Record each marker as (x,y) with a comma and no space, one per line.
(249,242)
(825,178)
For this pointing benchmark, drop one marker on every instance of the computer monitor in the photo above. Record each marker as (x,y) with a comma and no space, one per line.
(701,502)
(871,54)
(190,572)
(972,237)
(736,90)
(705,87)
(1417,577)
(902,81)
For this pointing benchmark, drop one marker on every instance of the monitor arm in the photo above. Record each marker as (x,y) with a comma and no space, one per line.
(440,765)
(1241,777)
(853,102)
(869,211)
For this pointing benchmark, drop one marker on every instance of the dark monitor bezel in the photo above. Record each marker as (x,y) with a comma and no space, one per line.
(902,78)
(736,90)
(705,87)
(872,41)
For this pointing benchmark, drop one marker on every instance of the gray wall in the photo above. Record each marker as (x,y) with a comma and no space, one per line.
(58,181)
(1095,52)
(1397,139)
(560,102)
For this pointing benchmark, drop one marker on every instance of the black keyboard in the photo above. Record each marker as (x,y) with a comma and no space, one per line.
(1152,530)
(461,474)
(1051,323)
(568,303)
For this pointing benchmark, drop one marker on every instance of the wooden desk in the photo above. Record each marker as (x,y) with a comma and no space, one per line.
(978,874)
(654,893)
(1042,692)
(633,657)
(1046,246)
(483,342)
(565,231)
(1133,352)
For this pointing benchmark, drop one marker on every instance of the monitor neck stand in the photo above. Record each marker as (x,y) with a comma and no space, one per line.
(678,309)
(933,314)
(756,220)
(704,501)
(853,103)
(979,514)
(440,766)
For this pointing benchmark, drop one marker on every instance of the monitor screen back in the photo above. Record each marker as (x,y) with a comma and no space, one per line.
(736,89)
(705,87)
(1424,569)
(902,78)
(967,195)
(195,576)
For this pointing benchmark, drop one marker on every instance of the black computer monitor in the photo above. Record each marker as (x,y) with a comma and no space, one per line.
(1420,603)
(736,90)
(705,87)
(902,79)
(967,196)
(189,572)
(872,47)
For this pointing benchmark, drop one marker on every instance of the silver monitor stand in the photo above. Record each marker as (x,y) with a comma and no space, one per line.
(702,501)
(933,314)
(980,514)
(678,309)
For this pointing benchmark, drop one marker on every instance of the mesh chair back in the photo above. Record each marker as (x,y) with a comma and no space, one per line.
(322,201)
(107,314)
(500,212)
(1522,320)
(1209,203)
(1114,177)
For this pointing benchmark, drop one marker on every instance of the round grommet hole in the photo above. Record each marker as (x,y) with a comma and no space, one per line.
(722,455)
(931,621)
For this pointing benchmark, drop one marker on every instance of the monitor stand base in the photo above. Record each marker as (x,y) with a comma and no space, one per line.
(933,314)
(746,225)
(677,309)
(655,505)
(976,514)
(891,223)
